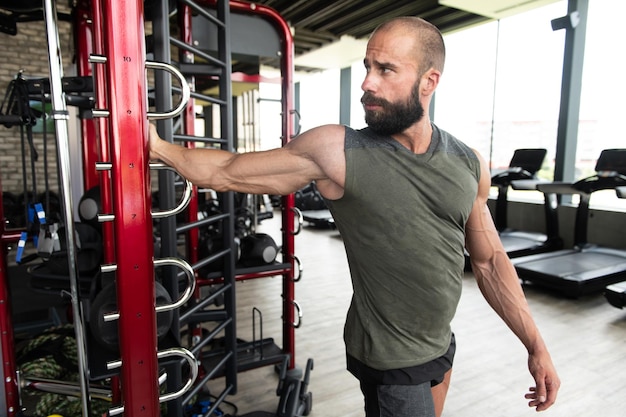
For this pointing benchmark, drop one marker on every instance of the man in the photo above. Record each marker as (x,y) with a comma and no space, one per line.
(406,197)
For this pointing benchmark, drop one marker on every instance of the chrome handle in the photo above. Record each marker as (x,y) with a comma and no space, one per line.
(193,374)
(186,91)
(184,201)
(298,213)
(298,277)
(185,296)
(191,282)
(298,323)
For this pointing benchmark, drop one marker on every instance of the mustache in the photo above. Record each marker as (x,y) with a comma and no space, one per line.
(369,98)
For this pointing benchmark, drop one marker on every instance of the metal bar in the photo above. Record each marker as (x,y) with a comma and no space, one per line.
(206,379)
(288,201)
(199,223)
(124,45)
(63,388)
(199,139)
(61,117)
(199,53)
(84,47)
(101,102)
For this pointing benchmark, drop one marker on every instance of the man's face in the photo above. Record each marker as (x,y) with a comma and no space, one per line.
(391,98)
(389,118)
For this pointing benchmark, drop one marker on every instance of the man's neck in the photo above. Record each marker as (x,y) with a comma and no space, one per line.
(417,137)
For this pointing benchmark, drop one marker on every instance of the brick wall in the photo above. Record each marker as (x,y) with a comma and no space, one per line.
(27,51)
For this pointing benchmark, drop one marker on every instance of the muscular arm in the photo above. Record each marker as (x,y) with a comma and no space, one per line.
(310,157)
(499,283)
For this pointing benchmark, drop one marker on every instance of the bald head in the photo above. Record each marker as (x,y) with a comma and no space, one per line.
(429,47)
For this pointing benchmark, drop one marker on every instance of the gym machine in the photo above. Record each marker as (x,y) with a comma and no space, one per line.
(586,268)
(112,51)
(615,294)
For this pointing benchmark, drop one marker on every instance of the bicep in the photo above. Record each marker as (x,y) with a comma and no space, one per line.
(482,239)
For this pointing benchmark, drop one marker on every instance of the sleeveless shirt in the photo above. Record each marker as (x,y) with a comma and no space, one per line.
(402,219)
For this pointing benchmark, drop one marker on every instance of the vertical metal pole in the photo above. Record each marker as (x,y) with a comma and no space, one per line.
(83,34)
(288,201)
(124,44)
(228,203)
(345,92)
(61,117)
(571,84)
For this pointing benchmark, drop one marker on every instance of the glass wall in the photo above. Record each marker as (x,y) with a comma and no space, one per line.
(501,86)
(502,83)
(603,90)
(501,90)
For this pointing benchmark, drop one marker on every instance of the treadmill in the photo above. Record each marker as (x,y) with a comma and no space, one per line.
(615,294)
(521,175)
(586,268)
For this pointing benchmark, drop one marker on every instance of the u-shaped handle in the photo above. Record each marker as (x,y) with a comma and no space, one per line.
(191,286)
(191,282)
(184,201)
(185,95)
(181,352)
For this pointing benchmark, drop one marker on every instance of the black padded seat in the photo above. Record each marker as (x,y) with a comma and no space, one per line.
(586,268)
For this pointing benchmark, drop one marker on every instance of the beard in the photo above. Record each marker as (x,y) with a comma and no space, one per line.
(394,117)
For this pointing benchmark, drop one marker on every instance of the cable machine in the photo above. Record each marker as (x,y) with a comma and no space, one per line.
(112,52)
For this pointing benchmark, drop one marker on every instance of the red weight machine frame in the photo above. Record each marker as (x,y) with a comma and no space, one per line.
(120,87)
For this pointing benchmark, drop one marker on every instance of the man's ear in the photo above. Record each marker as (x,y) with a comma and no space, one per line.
(430,81)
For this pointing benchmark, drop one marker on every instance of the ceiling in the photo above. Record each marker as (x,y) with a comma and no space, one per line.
(327,31)
(330,33)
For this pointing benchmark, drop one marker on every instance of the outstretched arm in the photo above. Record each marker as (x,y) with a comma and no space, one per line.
(499,283)
(279,171)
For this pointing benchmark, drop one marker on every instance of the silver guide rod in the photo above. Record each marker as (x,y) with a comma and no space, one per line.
(60,116)
(66,388)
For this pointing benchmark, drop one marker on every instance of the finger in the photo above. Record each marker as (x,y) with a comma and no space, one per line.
(551,391)
(540,390)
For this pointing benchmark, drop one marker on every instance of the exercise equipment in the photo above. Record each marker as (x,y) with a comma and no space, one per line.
(53,274)
(294,398)
(258,249)
(586,268)
(615,294)
(313,208)
(105,332)
(521,175)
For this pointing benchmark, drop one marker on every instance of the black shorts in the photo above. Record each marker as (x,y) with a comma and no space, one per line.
(432,371)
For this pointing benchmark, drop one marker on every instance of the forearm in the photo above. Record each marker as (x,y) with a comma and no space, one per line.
(500,286)
(197,165)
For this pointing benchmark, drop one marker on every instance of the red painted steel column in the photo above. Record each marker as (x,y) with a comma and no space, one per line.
(102,138)
(287,102)
(7,342)
(101,102)
(84,47)
(124,41)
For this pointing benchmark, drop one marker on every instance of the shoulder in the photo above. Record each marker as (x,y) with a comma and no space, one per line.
(454,145)
(484,182)
(319,140)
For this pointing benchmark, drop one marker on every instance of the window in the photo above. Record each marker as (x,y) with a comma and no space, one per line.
(501,86)
(603,89)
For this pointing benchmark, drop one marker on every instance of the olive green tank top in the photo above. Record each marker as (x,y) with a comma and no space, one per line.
(402,219)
